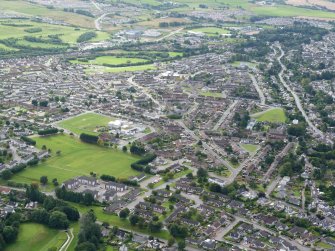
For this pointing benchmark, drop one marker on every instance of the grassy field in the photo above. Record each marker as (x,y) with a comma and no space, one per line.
(111,60)
(273,115)
(211,94)
(85,123)
(250,147)
(37,237)
(211,31)
(76,159)
(67,34)
(146,67)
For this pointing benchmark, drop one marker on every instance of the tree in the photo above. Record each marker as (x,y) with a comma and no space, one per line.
(124,213)
(6,174)
(124,148)
(133,219)
(181,245)
(171,241)
(179,231)
(58,220)
(9,234)
(154,227)
(40,216)
(86,246)
(44,180)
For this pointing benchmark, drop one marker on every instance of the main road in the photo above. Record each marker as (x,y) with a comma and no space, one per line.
(295,96)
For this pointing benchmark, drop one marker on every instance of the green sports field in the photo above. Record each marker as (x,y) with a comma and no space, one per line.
(85,123)
(37,237)
(76,159)
(273,115)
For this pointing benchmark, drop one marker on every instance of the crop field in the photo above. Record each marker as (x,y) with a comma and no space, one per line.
(110,60)
(85,123)
(273,115)
(37,237)
(30,9)
(76,159)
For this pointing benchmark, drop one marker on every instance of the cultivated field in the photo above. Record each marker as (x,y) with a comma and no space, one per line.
(37,237)
(322,3)
(273,115)
(76,159)
(85,123)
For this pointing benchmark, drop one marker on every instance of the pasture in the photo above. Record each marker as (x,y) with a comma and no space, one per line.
(85,123)
(272,115)
(211,31)
(76,159)
(37,237)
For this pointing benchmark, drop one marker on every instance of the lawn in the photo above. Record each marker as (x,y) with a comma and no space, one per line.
(273,115)
(76,159)
(37,237)
(250,147)
(85,123)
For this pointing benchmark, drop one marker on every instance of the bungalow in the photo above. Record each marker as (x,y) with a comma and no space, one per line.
(138,178)
(208,244)
(217,181)
(158,208)
(164,193)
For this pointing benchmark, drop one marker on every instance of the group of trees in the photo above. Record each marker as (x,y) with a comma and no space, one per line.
(42,103)
(153,226)
(28,140)
(92,139)
(137,148)
(8,173)
(9,230)
(86,36)
(142,164)
(89,234)
(82,198)
(55,213)
(48,131)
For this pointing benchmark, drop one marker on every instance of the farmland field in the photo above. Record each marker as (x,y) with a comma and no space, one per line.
(37,237)
(85,123)
(76,159)
(274,115)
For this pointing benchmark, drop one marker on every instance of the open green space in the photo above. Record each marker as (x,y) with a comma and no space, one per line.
(211,94)
(115,220)
(76,159)
(102,69)
(85,123)
(250,147)
(37,237)
(211,31)
(30,9)
(273,115)
(110,60)
(19,28)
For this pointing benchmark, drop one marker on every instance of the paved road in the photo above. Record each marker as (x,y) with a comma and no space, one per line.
(170,34)
(67,243)
(224,115)
(272,186)
(145,91)
(295,96)
(258,89)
